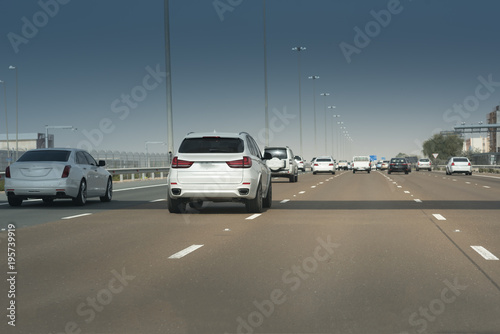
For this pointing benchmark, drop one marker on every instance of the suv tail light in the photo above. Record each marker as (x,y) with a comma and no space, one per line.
(177,163)
(246,162)
(65,172)
(7,172)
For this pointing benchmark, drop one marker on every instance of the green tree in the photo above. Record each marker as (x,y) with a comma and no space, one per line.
(445,145)
(401,155)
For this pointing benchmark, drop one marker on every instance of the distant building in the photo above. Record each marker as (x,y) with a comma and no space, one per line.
(494,135)
(26,141)
(478,145)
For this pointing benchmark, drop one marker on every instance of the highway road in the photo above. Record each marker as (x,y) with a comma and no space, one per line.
(345,253)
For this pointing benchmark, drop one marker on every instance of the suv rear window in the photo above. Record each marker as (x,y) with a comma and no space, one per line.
(212,145)
(279,153)
(45,155)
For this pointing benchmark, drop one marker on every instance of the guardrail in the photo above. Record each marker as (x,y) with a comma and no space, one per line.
(130,171)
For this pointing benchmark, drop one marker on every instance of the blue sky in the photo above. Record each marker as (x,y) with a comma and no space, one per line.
(92,64)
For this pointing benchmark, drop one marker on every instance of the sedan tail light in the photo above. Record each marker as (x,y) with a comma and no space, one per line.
(469,163)
(453,164)
(7,172)
(65,172)
(177,163)
(246,162)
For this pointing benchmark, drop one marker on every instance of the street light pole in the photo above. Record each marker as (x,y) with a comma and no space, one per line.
(17,114)
(298,49)
(333,128)
(170,122)
(266,122)
(325,95)
(47,127)
(314,77)
(6,120)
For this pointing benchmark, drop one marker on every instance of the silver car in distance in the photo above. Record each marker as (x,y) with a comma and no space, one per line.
(219,167)
(57,173)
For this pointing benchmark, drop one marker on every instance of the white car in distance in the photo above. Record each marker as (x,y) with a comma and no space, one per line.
(323,164)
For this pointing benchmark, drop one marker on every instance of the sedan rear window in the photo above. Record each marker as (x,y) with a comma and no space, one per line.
(324,160)
(211,145)
(45,155)
(460,160)
(424,160)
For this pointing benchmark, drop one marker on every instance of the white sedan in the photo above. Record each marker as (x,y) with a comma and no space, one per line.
(323,164)
(57,173)
(458,165)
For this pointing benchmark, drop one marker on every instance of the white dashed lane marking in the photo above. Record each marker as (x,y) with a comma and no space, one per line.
(486,254)
(185,252)
(438,216)
(253,216)
(77,216)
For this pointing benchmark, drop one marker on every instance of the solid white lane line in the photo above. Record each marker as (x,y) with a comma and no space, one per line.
(76,216)
(484,253)
(253,216)
(418,200)
(142,187)
(158,200)
(438,216)
(185,252)
(285,200)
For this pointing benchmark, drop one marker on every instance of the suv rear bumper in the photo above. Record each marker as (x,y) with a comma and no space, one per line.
(213,192)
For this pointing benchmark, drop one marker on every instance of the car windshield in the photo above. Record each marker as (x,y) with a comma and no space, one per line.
(46,155)
(211,145)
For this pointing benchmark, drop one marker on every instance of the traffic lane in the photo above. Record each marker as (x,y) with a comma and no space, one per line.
(400,228)
(429,187)
(34,212)
(64,264)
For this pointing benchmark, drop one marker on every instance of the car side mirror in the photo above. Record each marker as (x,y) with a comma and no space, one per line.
(267,156)
(102,163)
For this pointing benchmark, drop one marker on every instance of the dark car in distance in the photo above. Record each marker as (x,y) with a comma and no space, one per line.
(398,165)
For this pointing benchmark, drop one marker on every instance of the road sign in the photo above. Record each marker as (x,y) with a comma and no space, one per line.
(435,155)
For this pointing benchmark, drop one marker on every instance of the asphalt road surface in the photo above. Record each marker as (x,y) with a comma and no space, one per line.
(345,253)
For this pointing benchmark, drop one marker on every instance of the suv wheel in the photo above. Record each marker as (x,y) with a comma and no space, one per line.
(255,205)
(175,205)
(266,203)
(14,200)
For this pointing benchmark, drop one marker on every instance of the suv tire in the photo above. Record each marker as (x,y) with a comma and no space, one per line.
(175,205)
(268,200)
(255,205)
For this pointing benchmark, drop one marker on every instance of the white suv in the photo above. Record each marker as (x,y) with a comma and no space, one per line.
(219,167)
(282,163)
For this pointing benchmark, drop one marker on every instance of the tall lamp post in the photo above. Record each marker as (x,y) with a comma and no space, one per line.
(324,105)
(147,152)
(6,120)
(17,113)
(333,128)
(314,78)
(170,121)
(298,49)
(47,127)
